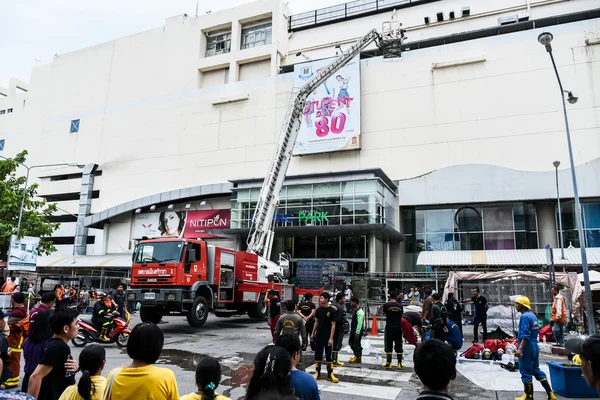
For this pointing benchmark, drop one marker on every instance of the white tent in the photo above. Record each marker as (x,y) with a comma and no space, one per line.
(594,276)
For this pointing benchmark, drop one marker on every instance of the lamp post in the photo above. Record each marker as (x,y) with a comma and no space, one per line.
(27,182)
(560,226)
(545,38)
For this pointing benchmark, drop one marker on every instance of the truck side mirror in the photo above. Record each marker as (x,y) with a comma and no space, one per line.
(192,256)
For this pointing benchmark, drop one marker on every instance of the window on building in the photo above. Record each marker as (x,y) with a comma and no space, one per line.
(256,35)
(591,223)
(74,126)
(218,43)
(2,112)
(9,110)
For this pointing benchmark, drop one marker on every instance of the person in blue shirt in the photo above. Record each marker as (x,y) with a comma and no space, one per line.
(304,384)
(453,336)
(528,352)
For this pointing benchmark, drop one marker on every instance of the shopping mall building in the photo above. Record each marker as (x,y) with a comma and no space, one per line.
(451,148)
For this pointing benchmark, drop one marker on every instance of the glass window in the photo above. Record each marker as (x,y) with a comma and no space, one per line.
(440,242)
(304,247)
(347,192)
(218,43)
(365,187)
(299,191)
(526,240)
(524,217)
(347,214)
(499,241)
(593,237)
(420,242)
(467,219)
(469,241)
(568,216)
(408,221)
(328,247)
(498,219)
(353,247)
(438,221)
(258,35)
(420,221)
(592,215)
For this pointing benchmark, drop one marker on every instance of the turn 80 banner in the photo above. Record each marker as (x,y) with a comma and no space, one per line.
(331,116)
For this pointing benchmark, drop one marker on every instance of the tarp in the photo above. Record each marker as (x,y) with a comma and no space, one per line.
(568,279)
(504,318)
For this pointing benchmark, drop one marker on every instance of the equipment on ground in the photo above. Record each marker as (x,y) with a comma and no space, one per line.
(487,354)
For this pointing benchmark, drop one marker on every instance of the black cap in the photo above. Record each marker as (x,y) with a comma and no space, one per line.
(588,349)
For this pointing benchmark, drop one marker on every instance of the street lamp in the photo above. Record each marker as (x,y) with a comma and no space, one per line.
(545,39)
(560,226)
(27,182)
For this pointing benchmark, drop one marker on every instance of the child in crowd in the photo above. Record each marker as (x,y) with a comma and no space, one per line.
(91,384)
(208,376)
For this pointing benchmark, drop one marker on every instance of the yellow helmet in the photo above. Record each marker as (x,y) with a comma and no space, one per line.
(577,359)
(524,301)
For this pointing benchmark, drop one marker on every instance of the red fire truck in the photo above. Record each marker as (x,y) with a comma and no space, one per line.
(189,277)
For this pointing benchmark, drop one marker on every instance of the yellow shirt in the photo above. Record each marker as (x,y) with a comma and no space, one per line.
(99,384)
(196,396)
(149,383)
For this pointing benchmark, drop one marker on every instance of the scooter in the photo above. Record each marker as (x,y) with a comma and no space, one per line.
(89,333)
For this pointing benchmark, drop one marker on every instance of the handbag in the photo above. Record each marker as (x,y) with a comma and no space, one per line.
(108,391)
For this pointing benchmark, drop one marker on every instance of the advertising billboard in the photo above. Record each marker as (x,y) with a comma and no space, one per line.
(331,115)
(23,253)
(187,224)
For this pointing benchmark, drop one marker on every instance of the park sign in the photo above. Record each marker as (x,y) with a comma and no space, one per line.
(307,218)
(23,253)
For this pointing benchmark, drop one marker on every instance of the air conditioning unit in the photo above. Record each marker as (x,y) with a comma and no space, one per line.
(466,11)
(451,15)
(426,19)
(508,19)
(523,17)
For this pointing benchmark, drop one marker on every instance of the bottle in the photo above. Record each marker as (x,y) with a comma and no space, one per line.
(377,358)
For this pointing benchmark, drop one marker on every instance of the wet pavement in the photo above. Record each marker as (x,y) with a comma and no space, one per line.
(235,341)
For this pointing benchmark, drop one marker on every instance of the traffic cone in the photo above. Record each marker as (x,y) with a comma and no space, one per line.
(374,330)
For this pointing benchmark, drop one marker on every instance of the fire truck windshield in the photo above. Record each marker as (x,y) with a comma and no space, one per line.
(159,252)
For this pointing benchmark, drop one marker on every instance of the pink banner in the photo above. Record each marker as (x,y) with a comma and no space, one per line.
(198,224)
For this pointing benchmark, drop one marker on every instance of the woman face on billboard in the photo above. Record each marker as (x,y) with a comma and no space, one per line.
(171,223)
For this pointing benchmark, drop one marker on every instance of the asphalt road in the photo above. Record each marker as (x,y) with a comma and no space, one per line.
(236,340)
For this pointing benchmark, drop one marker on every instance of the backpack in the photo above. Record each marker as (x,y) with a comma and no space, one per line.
(471,351)
(494,345)
(547,332)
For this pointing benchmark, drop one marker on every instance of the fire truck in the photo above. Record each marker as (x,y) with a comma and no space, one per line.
(190,277)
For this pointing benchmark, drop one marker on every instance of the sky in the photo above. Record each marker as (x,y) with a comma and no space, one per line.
(33,31)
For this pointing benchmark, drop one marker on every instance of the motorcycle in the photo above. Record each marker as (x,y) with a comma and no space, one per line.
(89,332)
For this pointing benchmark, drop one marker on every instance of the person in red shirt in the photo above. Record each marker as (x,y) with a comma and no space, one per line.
(48,300)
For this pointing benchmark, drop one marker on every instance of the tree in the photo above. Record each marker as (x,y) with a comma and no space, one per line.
(36,212)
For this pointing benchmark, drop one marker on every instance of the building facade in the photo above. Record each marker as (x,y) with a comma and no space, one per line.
(456,138)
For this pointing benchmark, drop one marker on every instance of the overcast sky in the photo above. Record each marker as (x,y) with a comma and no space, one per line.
(33,30)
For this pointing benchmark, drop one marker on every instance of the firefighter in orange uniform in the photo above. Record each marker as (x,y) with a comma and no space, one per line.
(18,323)
(60,297)
(559,316)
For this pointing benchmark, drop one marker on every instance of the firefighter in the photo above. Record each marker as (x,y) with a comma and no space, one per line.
(528,351)
(323,336)
(59,290)
(393,331)
(307,311)
(101,318)
(18,323)
(356,331)
(338,335)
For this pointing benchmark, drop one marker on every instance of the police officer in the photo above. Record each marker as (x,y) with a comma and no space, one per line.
(528,351)
(307,310)
(338,336)
(393,331)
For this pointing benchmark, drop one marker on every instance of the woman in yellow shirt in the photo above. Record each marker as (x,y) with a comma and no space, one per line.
(141,379)
(91,384)
(208,376)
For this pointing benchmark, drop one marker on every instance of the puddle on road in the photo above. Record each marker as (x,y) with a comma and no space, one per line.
(238,374)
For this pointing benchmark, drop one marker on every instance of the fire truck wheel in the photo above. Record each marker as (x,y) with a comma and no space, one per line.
(150,315)
(258,310)
(198,314)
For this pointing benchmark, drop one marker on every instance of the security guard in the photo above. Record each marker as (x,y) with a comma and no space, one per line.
(528,351)
(307,311)
(393,331)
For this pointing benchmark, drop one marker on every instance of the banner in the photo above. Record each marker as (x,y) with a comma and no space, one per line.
(187,224)
(331,116)
(23,253)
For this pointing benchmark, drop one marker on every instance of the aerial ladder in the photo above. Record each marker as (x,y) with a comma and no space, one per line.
(260,237)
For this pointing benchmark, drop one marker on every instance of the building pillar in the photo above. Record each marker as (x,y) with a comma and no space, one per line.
(546,221)
(372,253)
(388,256)
(85,205)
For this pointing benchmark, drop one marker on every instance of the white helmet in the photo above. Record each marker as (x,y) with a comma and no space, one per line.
(487,354)
(500,352)
(511,348)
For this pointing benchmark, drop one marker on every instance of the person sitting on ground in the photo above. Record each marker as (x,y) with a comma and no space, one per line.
(141,379)
(436,379)
(410,321)
(33,348)
(272,367)
(453,336)
(304,384)
(91,384)
(208,376)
